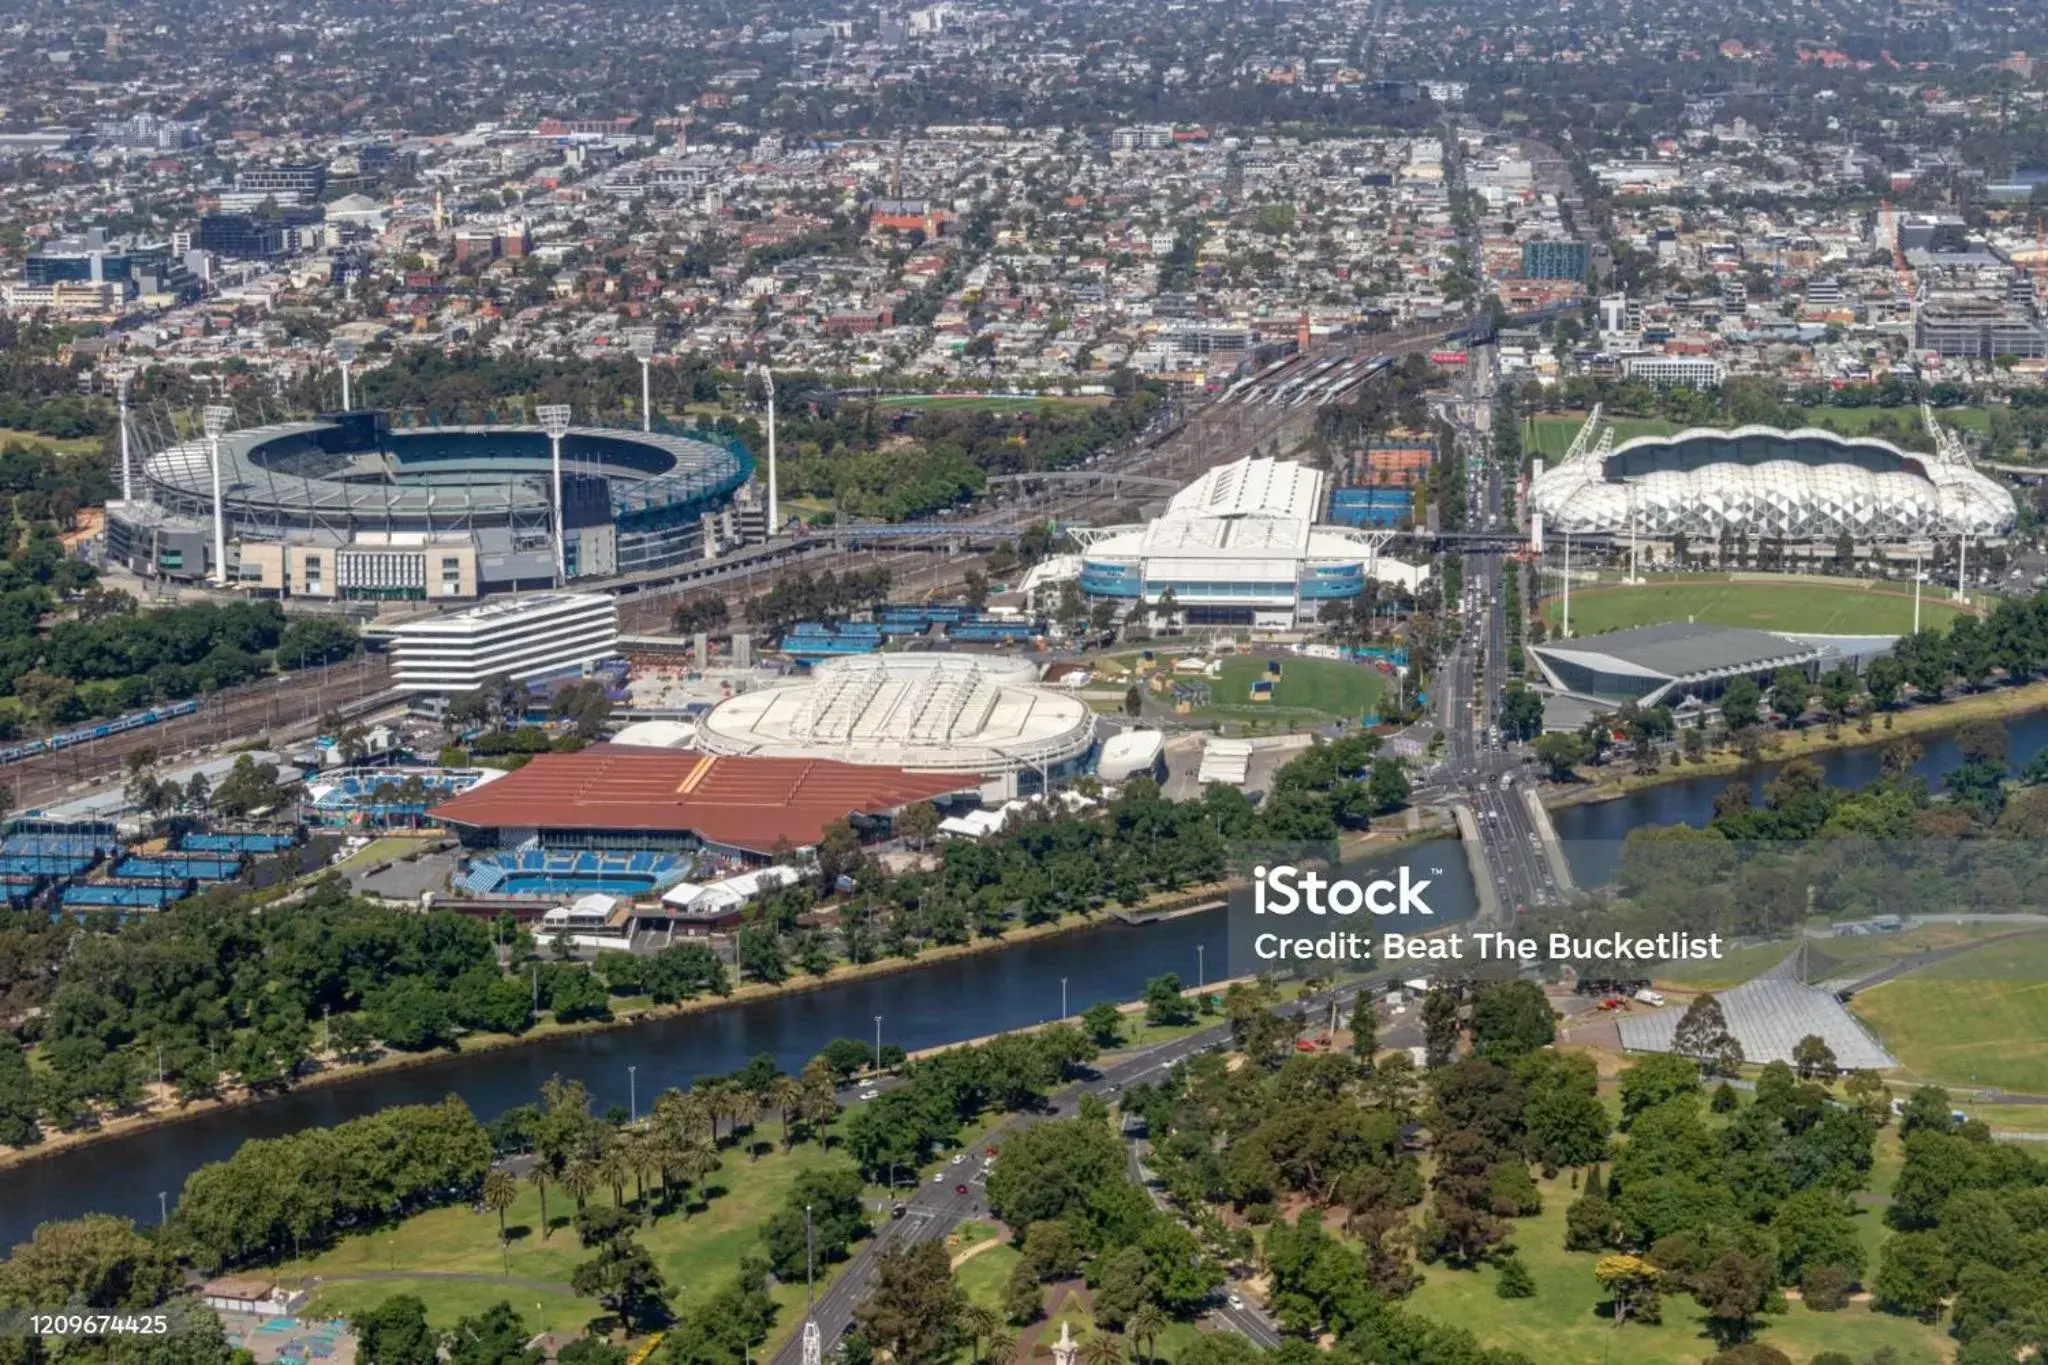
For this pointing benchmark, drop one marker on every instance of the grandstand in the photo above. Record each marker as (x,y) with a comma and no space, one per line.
(560,872)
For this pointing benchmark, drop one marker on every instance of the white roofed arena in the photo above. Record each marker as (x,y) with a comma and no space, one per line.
(1807,485)
(961,713)
(1241,545)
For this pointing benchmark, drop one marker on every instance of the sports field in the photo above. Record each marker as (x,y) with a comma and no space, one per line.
(1978,1018)
(1808,605)
(1310,692)
(1550,434)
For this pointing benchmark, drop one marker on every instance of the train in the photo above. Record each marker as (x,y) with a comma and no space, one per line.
(135,720)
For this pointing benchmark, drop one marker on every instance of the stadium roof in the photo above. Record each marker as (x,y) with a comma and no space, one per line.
(1662,657)
(1768,1017)
(945,712)
(744,803)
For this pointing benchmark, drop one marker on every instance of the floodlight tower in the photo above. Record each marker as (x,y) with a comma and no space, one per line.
(554,420)
(345,353)
(644,350)
(215,417)
(774,507)
(127,473)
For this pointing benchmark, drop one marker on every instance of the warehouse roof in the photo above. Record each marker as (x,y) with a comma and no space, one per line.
(745,803)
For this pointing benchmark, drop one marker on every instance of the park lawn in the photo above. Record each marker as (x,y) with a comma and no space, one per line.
(449,1300)
(389,848)
(1806,605)
(1310,692)
(1979,1018)
(62,445)
(696,1253)
(1560,1326)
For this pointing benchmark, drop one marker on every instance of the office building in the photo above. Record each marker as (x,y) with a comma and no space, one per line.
(299,182)
(524,639)
(1979,329)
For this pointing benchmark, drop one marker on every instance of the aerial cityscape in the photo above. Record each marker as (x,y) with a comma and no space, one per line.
(1108,684)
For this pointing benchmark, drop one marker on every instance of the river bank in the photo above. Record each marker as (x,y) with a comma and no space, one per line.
(2003,704)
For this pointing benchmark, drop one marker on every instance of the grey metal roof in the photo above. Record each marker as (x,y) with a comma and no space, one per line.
(1682,649)
(1768,1017)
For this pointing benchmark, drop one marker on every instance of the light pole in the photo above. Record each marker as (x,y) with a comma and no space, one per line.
(1201,967)
(345,353)
(215,418)
(774,498)
(127,476)
(633,1092)
(554,420)
(644,349)
(1063,997)
(878,1042)
(163,1207)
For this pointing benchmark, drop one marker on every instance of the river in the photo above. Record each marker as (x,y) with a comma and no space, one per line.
(1003,989)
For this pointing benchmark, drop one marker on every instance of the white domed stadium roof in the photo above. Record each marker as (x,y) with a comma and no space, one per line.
(1798,485)
(937,712)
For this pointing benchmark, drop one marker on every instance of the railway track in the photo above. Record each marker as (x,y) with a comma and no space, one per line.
(253,713)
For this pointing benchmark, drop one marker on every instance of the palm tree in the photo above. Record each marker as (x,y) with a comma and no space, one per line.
(1002,1349)
(980,1321)
(1103,1348)
(643,1158)
(615,1168)
(785,1095)
(540,1177)
(695,1163)
(1145,1325)
(579,1178)
(746,1112)
(500,1189)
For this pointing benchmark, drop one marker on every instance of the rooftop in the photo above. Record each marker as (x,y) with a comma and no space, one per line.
(1680,649)
(737,802)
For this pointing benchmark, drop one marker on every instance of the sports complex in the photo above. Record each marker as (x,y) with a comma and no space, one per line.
(351,506)
(1796,486)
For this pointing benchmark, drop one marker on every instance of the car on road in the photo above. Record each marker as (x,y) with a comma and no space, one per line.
(959,1189)
(959,1157)
(939,1179)
(1237,1300)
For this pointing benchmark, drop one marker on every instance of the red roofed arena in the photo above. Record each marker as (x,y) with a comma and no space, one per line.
(623,797)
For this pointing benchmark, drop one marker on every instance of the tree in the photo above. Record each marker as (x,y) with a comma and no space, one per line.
(1632,1286)
(540,1177)
(1741,703)
(1387,788)
(623,1277)
(918,823)
(1365,1023)
(1103,1022)
(1790,691)
(914,1311)
(1913,1275)
(395,1332)
(499,1192)
(1703,1035)
(1102,1349)
(1440,1026)
(1814,1058)
(1145,1326)
(1023,1300)
(1561,752)
(837,1220)
(1165,1005)
(1514,1282)
(1733,1290)
(1511,1018)
(1654,1081)
(496,1336)
(1521,713)
(1814,1229)
(97,1262)
(1134,700)
(1589,1221)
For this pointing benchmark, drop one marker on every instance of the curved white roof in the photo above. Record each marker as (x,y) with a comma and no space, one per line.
(938,712)
(1771,483)
(657,734)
